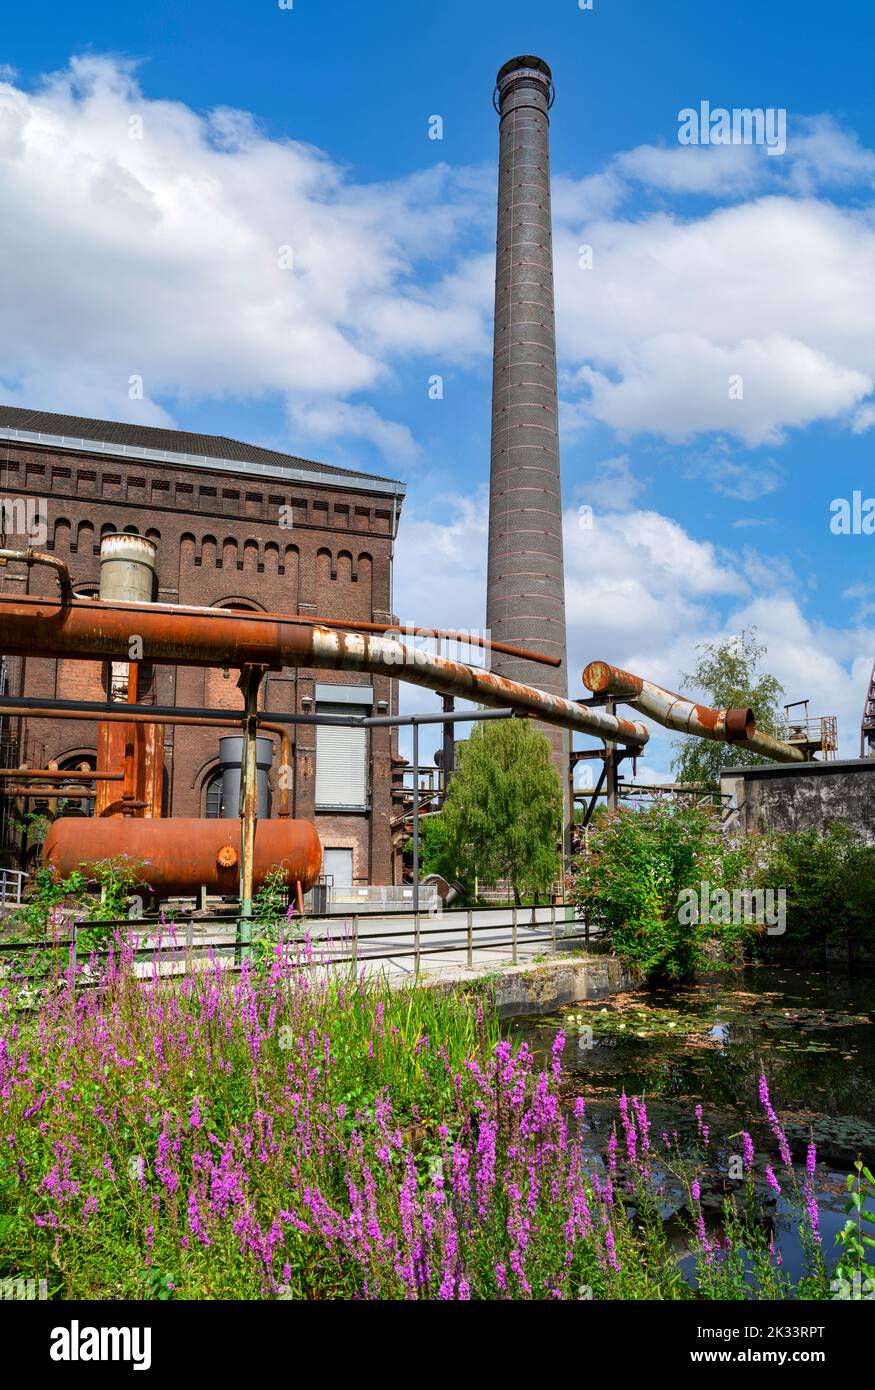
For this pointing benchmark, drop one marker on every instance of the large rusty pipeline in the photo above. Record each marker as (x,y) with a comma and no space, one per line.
(181,852)
(736,726)
(440,634)
(183,636)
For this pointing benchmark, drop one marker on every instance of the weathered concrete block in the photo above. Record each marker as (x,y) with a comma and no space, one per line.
(540,989)
(804,796)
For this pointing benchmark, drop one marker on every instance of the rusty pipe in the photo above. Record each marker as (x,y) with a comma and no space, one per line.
(101,713)
(285,767)
(736,726)
(56,794)
(182,636)
(32,557)
(468,639)
(53,775)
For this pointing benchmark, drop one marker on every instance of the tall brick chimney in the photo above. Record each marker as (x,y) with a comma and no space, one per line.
(525,601)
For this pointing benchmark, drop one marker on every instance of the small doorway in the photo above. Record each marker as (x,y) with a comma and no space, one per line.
(338,864)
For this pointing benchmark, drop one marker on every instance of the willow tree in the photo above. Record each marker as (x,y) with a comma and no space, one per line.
(503,812)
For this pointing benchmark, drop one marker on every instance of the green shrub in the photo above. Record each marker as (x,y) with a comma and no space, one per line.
(829,879)
(631,876)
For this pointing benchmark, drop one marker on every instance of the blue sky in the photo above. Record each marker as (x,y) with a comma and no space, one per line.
(153,251)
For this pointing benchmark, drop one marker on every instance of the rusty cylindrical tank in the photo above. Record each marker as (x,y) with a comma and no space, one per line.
(127,568)
(181,854)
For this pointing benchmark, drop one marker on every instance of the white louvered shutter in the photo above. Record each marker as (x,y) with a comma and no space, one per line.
(341,761)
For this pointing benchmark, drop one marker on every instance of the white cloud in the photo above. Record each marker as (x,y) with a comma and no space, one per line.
(160,257)
(325,418)
(715,170)
(614,485)
(673,310)
(140,238)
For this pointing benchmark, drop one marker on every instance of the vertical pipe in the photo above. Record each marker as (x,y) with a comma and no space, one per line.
(611,765)
(513,936)
(470,940)
(132,737)
(250,680)
(448,757)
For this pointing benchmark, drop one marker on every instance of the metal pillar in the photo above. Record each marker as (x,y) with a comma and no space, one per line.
(249,683)
(416,818)
(448,750)
(611,764)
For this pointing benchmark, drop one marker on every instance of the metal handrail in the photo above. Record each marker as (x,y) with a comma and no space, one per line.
(361,949)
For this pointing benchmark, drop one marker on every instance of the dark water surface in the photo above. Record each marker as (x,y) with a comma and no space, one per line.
(812,1034)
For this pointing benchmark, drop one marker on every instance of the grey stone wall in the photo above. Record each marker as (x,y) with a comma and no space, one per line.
(804,796)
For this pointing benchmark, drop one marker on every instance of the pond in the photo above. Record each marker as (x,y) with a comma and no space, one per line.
(706,1043)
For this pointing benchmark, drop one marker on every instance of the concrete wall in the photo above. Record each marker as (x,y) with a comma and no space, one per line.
(804,796)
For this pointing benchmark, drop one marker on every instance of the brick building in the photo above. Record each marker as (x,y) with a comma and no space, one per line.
(236,526)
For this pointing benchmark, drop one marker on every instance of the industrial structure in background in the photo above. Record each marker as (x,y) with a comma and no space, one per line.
(525,594)
(867,724)
(236,528)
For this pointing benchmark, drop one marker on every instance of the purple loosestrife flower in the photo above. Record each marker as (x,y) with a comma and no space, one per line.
(812,1212)
(612,1150)
(461,1177)
(557,1050)
(747,1150)
(696,1190)
(703,1239)
(772,1180)
(486,1165)
(629,1130)
(811,1159)
(774,1123)
(643,1123)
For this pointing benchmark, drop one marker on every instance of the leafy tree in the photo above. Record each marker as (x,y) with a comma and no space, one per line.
(502,818)
(435,855)
(729,675)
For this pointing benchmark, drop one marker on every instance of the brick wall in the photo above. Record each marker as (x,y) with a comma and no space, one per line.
(224,539)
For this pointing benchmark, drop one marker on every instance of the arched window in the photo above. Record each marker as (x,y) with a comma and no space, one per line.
(213,807)
(73,805)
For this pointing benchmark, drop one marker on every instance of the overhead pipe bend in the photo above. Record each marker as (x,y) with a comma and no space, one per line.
(736,726)
(344,651)
(32,557)
(176,635)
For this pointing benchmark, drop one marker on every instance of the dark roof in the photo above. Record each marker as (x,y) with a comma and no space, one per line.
(207,446)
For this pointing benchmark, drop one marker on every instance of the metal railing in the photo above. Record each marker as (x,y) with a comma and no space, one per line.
(11,887)
(530,925)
